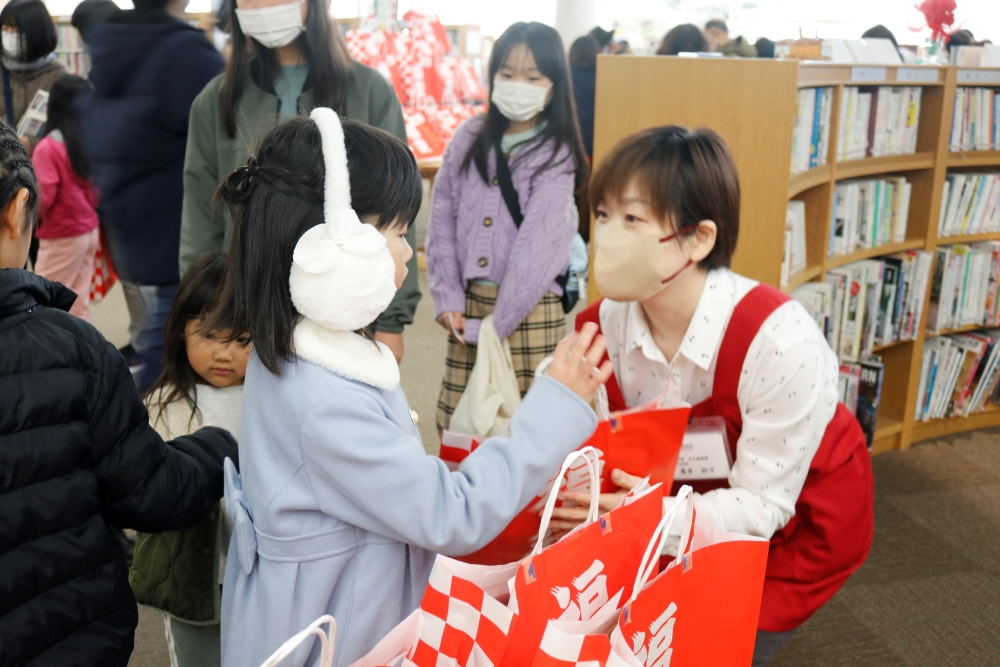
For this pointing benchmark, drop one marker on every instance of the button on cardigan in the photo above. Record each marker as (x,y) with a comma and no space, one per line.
(472,234)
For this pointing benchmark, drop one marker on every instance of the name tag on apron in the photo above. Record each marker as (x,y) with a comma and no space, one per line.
(705,452)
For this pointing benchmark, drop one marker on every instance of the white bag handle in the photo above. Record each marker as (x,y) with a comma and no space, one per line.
(326,640)
(602,406)
(652,555)
(592,458)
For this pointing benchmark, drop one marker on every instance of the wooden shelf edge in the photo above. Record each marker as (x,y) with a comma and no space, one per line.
(940,427)
(806,180)
(968,238)
(887,426)
(974,159)
(966,329)
(868,253)
(802,277)
(873,166)
(880,348)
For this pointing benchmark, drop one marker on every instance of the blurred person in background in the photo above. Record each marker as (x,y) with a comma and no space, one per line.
(764,47)
(287,57)
(29,64)
(717,34)
(583,69)
(881,32)
(148,66)
(684,38)
(90,13)
(603,37)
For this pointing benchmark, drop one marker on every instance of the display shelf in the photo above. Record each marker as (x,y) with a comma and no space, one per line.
(888,346)
(868,253)
(973,159)
(936,428)
(822,73)
(968,238)
(887,164)
(966,329)
(886,426)
(805,180)
(802,277)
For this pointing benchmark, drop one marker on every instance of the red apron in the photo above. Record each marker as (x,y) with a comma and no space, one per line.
(831,533)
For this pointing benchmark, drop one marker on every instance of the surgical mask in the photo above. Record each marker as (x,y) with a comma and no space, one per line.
(517,100)
(11,42)
(625,263)
(273,27)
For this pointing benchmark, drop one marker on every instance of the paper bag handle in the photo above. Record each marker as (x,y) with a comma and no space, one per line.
(326,640)
(652,555)
(592,459)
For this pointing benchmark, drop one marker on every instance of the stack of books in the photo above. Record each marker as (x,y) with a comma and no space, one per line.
(811,136)
(975,123)
(860,387)
(964,291)
(959,375)
(869,213)
(869,303)
(877,121)
(970,204)
(795,258)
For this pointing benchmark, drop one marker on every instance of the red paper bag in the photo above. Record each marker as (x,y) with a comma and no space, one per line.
(104,274)
(461,620)
(644,441)
(585,571)
(578,643)
(712,590)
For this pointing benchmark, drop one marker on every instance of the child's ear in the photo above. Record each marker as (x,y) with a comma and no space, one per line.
(14,214)
(703,240)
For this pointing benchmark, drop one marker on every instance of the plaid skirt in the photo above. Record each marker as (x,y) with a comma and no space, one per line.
(533,340)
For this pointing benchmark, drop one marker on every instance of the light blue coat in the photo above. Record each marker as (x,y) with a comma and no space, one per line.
(339,511)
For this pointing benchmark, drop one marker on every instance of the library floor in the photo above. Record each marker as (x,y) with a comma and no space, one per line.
(929,594)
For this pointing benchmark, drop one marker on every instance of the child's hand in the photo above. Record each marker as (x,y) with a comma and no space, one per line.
(575,361)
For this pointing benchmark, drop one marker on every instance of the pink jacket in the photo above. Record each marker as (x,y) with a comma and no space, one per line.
(68,202)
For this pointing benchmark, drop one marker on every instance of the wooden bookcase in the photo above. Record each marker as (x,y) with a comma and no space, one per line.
(751,103)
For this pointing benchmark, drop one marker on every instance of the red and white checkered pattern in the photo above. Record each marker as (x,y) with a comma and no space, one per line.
(455,447)
(104,274)
(462,625)
(564,649)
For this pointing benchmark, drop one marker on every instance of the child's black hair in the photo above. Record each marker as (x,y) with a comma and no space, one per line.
(34,25)
(62,116)
(16,172)
(277,197)
(560,112)
(197,294)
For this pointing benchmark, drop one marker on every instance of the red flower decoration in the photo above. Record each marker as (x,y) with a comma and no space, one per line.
(939,15)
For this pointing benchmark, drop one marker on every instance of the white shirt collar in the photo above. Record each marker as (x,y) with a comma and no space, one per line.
(704,333)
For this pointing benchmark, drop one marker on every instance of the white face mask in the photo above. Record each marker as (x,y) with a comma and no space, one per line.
(11,42)
(517,100)
(273,27)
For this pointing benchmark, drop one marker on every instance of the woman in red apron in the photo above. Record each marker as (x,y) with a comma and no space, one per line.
(679,322)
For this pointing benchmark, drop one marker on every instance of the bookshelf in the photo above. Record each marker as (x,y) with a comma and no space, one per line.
(752,104)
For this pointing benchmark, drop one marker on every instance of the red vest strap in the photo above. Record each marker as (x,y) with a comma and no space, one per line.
(747,319)
(616,402)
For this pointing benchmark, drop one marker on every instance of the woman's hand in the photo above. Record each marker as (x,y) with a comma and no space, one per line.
(568,518)
(454,322)
(575,362)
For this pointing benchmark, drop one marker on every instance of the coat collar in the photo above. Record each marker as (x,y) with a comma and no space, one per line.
(347,354)
(21,291)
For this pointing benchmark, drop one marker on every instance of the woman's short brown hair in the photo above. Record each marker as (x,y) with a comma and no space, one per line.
(685,176)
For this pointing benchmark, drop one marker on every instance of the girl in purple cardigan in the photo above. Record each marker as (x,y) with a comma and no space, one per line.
(485,258)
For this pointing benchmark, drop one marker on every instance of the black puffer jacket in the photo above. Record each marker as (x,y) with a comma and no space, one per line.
(77,454)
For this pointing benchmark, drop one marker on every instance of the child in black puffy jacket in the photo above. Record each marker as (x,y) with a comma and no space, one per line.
(77,453)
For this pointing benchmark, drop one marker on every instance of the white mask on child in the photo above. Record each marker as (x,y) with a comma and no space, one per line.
(517,100)
(273,27)
(11,42)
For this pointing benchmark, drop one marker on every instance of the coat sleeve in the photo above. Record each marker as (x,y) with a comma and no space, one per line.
(391,487)
(143,482)
(444,270)
(200,233)
(386,114)
(192,65)
(541,247)
(48,178)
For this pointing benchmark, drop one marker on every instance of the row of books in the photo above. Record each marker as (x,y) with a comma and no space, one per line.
(959,375)
(869,213)
(69,38)
(794,259)
(970,204)
(811,136)
(860,387)
(975,122)
(964,291)
(877,121)
(869,303)
(75,62)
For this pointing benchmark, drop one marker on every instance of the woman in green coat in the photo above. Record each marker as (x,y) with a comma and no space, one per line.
(288,57)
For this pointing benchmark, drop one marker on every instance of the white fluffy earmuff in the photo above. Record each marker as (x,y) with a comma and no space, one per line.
(343,275)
